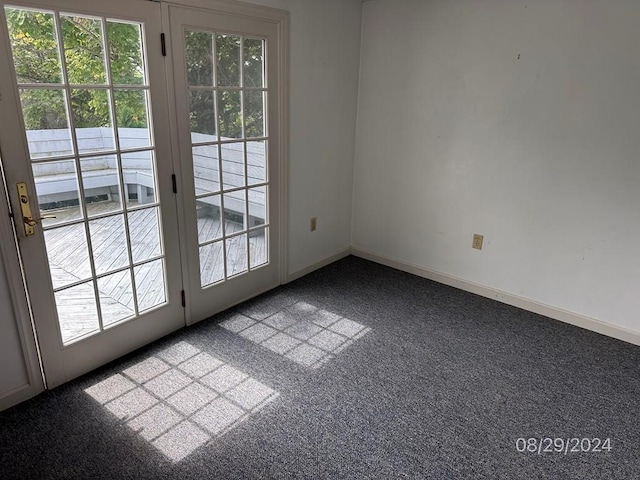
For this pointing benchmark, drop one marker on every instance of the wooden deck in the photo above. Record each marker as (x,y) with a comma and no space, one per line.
(69,265)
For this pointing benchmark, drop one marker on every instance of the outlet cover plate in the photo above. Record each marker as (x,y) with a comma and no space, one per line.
(477,241)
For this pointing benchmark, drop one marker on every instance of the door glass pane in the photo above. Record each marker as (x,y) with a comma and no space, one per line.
(202,116)
(131,115)
(45,119)
(57,191)
(254,113)
(83,50)
(211,264)
(232,165)
(235,209)
(228,60)
(125,53)
(139,177)
(34,61)
(101,184)
(257,206)
(253,63)
(236,255)
(67,269)
(199,53)
(258,248)
(256,162)
(206,169)
(229,114)
(116,297)
(144,231)
(77,311)
(91,114)
(209,225)
(109,243)
(150,285)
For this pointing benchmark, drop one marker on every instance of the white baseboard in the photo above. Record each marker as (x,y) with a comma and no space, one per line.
(578,320)
(322,263)
(17,395)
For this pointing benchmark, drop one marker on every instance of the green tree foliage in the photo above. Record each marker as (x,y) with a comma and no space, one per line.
(37,61)
(35,50)
(200,73)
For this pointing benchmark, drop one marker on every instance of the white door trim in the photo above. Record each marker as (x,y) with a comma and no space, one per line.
(17,291)
(235,7)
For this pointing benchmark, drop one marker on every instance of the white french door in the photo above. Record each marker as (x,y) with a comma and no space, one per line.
(226,80)
(86,156)
(140,174)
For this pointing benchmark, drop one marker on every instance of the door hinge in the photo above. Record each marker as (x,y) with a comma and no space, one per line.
(184,300)
(163,44)
(174,183)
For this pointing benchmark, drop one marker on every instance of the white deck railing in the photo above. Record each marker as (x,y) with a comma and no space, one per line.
(56,181)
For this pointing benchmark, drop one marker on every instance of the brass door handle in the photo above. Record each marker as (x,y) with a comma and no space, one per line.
(27,217)
(32,222)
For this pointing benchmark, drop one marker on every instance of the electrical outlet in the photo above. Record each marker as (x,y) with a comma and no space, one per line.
(477,241)
(313,224)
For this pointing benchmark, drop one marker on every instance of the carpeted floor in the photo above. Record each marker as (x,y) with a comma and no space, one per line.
(354,371)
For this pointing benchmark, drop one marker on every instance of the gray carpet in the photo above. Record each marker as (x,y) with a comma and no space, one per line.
(354,371)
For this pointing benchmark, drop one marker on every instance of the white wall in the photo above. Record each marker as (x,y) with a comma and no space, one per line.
(14,373)
(540,153)
(324,64)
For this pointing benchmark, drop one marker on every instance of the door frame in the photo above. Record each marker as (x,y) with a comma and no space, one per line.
(9,248)
(281,20)
(59,362)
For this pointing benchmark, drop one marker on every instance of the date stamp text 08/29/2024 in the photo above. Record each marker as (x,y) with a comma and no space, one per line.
(563,446)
